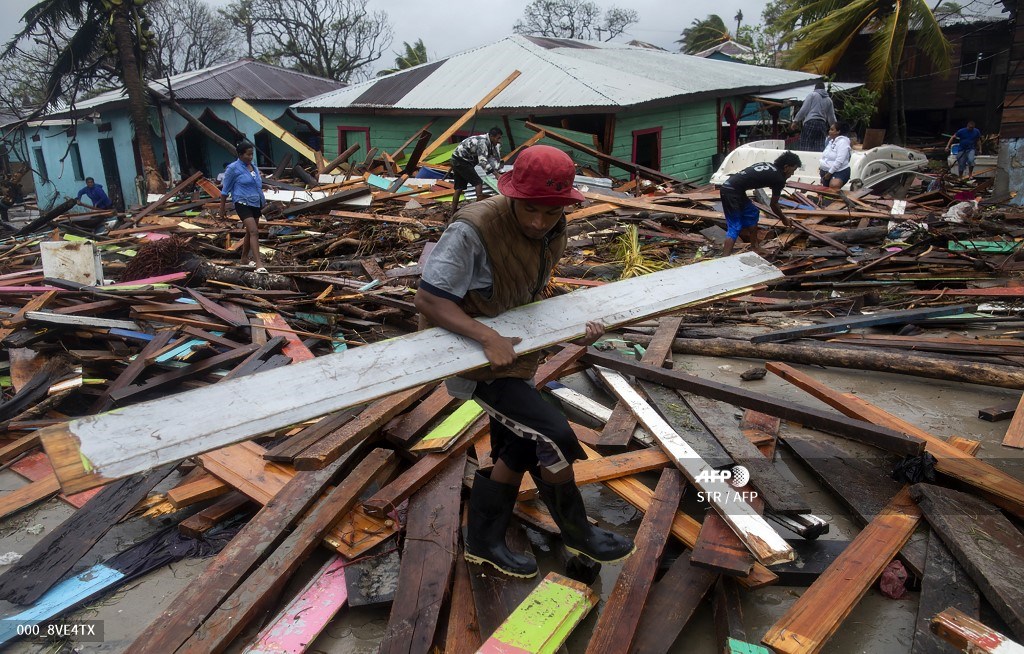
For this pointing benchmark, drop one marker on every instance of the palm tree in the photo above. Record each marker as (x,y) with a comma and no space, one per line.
(94,28)
(704,34)
(414,55)
(739,19)
(828,27)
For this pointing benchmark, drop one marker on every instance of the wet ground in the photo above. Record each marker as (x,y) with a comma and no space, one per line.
(877,625)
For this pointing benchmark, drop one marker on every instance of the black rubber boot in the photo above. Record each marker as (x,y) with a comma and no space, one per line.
(490,509)
(580,537)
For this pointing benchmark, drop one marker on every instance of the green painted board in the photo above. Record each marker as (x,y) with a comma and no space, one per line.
(441,155)
(448,430)
(733,646)
(995,247)
(543,622)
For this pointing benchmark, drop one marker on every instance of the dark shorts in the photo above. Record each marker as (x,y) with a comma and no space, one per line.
(465,174)
(843,175)
(527,432)
(740,213)
(245,211)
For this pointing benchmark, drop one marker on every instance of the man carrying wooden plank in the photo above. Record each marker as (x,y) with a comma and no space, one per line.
(497,256)
(483,150)
(741,216)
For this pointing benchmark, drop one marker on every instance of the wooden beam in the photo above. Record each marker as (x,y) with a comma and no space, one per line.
(275,130)
(904,317)
(827,421)
(466,117)
(246,551)
(984,542)
(428,558)
(971,636)
(1003,489)
(762,540)
(265,583)
(89,452)
(62,548)
(620,427)
(670,605)
(375,416)
(817,614)
(298,624)
(153,206)
(1014,436)
(616,626)
(945,585)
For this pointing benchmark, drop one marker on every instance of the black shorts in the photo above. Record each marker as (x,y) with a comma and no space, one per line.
(527,432)
(842,175)
(465,174)
(245,211)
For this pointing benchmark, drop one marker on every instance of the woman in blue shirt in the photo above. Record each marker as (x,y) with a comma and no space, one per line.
(243,183)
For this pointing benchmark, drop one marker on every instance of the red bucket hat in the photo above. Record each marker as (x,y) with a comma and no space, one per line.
(542,175)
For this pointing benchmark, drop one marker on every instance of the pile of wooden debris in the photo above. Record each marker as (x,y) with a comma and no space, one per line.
(349,442)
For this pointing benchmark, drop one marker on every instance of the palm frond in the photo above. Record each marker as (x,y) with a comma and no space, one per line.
(80,50)
(887,46)
(826,40)
(928,36)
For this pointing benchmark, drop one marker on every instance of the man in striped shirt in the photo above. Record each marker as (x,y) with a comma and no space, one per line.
(483,150)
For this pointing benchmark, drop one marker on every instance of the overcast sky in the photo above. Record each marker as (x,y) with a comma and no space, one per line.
(457,25)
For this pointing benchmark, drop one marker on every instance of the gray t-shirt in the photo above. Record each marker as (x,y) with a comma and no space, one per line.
(457,264)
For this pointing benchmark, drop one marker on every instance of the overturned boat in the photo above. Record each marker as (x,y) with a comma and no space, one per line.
(882,169)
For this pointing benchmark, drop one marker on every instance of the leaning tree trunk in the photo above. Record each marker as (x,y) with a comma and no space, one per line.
(138,104)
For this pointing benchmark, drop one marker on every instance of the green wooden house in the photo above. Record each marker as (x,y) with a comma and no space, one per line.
(664,110)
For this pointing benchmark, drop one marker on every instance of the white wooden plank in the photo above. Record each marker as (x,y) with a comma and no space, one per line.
(142,436)
(580,402)
(762,540)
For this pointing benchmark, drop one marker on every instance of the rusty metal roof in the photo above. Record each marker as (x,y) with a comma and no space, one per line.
(556,74)
(244,78)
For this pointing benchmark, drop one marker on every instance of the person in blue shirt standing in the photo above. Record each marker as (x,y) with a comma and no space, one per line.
(970,145)
(243,183)
(96,194)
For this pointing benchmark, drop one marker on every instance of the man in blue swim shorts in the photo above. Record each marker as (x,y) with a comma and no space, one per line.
(741,216)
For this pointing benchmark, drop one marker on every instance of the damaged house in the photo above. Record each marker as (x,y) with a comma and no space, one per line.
(96,139)
(663,110)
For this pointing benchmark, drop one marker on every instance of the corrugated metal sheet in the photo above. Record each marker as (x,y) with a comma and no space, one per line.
(250,80)
(389,90)
(550,44)
(560,76)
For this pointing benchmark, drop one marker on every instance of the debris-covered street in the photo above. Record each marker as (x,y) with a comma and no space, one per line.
(603,348)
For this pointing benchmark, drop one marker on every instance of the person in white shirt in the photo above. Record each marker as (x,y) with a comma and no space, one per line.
(834,165)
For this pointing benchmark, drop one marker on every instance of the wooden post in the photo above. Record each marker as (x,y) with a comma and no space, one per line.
(441,140)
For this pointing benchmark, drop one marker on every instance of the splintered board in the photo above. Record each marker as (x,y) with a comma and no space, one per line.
(91,451)
(545,618)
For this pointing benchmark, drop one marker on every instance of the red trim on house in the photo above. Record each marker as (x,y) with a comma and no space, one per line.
(729,116)
(641,132)
(343,143)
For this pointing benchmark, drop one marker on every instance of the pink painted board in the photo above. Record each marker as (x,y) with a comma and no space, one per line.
(297,626)
(36,466)
(294,349)
(159,279)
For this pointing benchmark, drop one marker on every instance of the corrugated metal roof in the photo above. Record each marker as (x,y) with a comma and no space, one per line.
(245,78)
(393,88)
(562,74)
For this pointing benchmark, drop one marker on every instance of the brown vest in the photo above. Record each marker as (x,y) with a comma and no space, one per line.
(520,267)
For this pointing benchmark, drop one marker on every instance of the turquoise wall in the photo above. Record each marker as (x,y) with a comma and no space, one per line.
(689,137)
(54,139)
